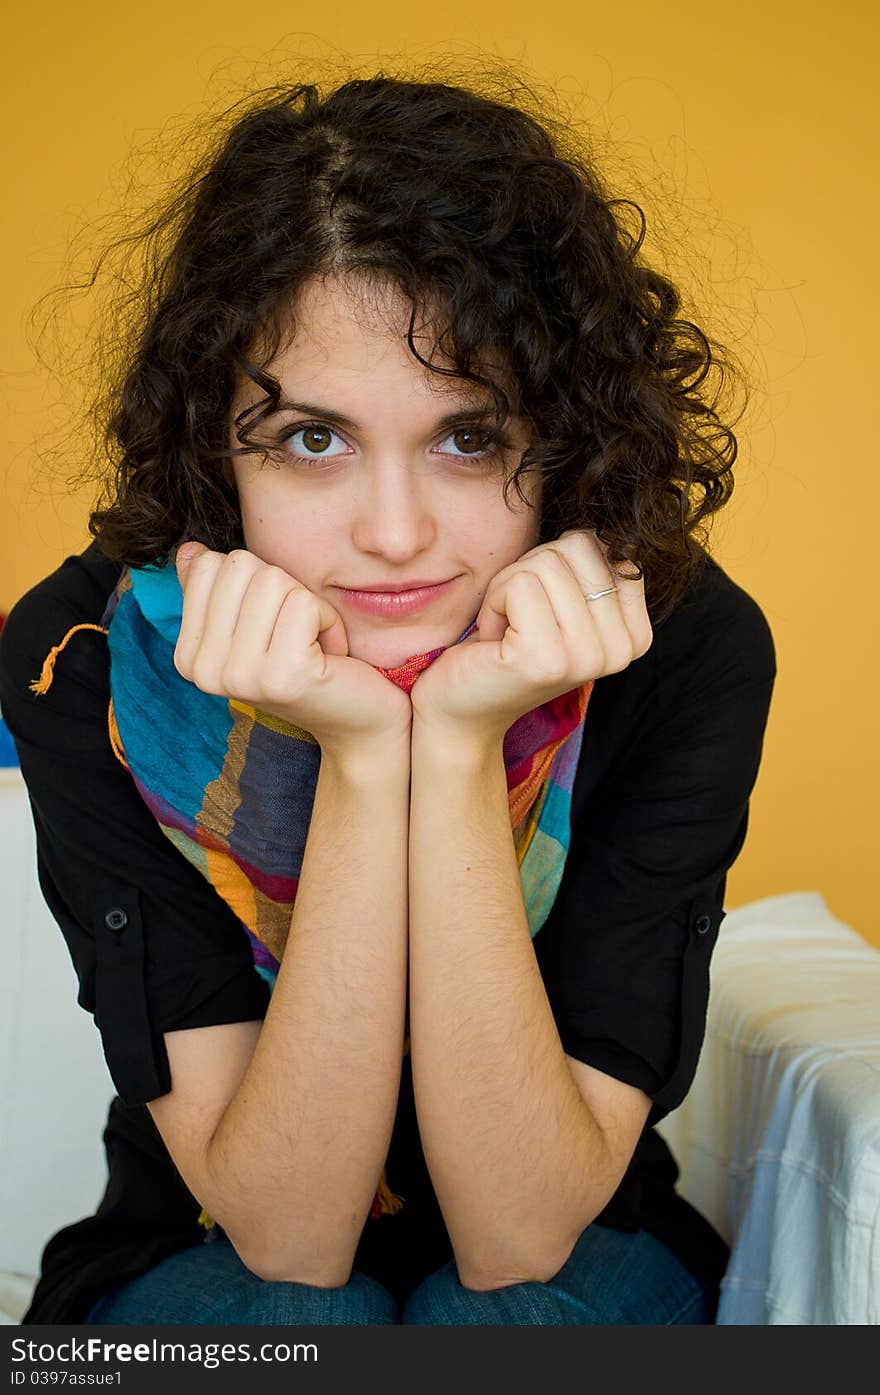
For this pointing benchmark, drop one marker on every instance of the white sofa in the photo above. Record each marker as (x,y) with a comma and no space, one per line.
(778,1141)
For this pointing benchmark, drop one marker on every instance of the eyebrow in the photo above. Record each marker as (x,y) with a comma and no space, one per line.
(476,413)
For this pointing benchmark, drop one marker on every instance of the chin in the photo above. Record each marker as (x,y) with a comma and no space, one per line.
(382,656)
(392,650)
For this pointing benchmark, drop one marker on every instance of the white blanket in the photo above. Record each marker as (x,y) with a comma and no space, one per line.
(778,1140)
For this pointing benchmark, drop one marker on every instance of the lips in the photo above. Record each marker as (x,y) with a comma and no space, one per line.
(395,603)
(394,589)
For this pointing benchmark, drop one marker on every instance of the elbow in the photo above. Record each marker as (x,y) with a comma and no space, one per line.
(316,1276)
(536,1268)
(482,1281)
(532,1274)
(320,1256)
(322,1267)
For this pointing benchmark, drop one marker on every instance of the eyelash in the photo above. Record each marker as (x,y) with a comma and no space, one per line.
(497,441)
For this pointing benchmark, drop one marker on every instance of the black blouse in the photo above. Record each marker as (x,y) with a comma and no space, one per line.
(669,758)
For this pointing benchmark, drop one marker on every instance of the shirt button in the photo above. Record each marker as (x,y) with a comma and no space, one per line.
(703,924)
(116,919)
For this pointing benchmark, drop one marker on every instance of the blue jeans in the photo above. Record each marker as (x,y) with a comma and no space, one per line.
(611,1276)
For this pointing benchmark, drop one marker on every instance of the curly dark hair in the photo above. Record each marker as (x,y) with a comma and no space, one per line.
(500,235)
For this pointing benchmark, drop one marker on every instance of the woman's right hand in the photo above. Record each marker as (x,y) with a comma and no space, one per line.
(252,632)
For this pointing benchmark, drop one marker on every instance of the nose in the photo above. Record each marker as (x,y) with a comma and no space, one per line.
(394,513)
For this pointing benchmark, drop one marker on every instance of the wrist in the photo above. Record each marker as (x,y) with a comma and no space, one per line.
(456,746)
(373,760)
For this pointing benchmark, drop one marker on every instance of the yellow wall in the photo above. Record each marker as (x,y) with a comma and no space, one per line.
(758,117)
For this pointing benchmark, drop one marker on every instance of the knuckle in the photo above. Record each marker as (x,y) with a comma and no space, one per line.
(234,682)
(558,552)
(579,542)
(278,574)
(618,657)
(272,681)
(301,598)
(522,579)
(556,674)
(241,559)
(594,657)
(265,574)
(206,561)
(202,676)
(280,685)
(551,668)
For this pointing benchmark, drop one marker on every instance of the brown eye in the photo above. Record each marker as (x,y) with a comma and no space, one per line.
(474,443)
(316,438)
(470,441)
(311,441)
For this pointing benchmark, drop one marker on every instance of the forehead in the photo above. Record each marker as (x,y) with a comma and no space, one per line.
(352,328)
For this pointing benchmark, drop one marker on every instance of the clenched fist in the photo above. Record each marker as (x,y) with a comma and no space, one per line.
(538,635)
(252,632)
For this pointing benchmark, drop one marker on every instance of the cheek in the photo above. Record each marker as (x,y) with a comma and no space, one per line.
(522,531)
(298,547)
(263,527)
(253,526)
(265,515)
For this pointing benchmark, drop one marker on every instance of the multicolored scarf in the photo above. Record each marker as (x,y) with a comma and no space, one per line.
(232,787)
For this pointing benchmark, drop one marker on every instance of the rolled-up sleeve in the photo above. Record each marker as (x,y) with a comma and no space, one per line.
(625,953)
(153,945)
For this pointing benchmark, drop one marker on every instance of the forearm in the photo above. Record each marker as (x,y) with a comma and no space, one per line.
(517,1161)
(301,1146)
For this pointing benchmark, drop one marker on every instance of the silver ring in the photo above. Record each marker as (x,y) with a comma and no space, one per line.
(595,595)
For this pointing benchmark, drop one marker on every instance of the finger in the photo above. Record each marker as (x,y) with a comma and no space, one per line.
(261,609)
(533,641)
(634,608)
(263,598)
(231,580)
(568,599)
(598,626)
(307,628)
(332,635)
(492,615)
(584,642)
(588,558)
(580,542)
(563,578)
(186,554)
(199,572)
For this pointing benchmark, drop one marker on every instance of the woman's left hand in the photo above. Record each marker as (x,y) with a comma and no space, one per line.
(537,636)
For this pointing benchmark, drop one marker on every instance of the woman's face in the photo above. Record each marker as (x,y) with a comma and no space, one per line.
(379,489)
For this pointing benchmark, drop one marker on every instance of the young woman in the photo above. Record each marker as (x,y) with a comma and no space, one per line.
(390,744)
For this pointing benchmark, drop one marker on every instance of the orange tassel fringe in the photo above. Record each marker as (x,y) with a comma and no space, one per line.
(41,685)
(44,682)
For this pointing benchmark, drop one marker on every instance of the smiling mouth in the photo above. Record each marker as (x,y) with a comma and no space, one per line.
(395,603)
(395,589)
